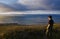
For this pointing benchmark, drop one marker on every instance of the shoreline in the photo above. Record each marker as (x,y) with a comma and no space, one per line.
(26,26)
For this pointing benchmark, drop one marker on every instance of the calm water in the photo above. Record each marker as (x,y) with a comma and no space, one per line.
(33,19)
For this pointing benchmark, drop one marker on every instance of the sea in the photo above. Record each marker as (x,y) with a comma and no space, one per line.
(32,19)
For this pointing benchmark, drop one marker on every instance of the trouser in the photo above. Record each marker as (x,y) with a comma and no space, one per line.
(49,32)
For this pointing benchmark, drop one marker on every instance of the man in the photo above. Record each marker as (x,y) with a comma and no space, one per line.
(50,26)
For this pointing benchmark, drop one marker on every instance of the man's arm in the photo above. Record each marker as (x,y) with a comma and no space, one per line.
(48,26)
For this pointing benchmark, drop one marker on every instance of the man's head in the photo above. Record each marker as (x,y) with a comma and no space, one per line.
(49,17)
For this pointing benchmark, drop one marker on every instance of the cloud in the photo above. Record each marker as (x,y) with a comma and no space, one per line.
(26,5)
(29,12)
(56,4)
(41,4)
(5,8)
(34,4)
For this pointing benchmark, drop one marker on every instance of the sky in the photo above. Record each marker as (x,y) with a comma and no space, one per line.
(25,5)
(15,7)
(29,5)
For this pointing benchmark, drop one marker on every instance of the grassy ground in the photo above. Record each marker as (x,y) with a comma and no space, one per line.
(28,32)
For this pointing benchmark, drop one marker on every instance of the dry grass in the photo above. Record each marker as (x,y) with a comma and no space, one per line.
(29,28)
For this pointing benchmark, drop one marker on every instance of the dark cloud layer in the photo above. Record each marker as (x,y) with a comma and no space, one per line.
(24,5)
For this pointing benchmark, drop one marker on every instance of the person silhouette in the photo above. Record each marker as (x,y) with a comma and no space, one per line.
(50,26)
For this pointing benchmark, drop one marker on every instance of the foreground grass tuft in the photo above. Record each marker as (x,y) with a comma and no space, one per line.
(27,32)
